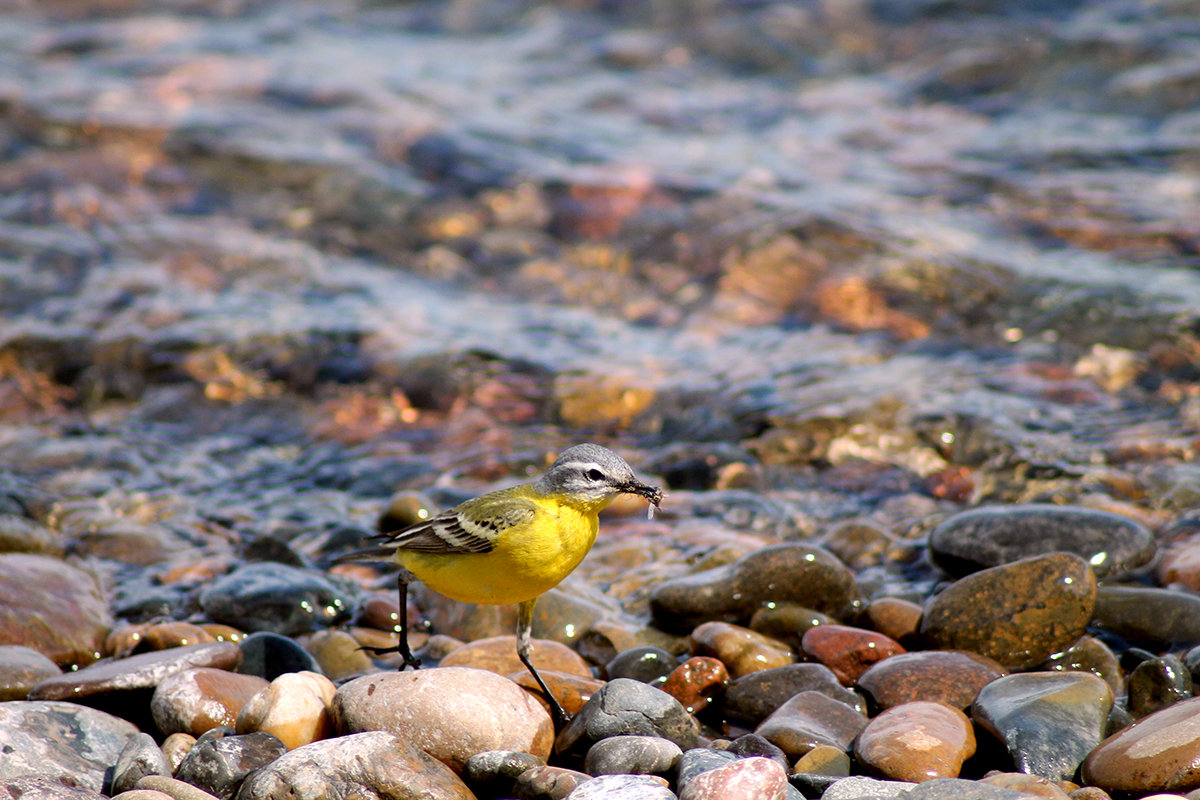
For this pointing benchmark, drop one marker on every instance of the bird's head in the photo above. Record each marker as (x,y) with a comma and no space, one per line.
(593,476)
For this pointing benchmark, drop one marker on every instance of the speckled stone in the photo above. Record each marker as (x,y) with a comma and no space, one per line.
(916,742)
(625,706)
(65,742)
(141,756)
(219,764)
(633,755)
(846,650)
(943,676)
(760,778)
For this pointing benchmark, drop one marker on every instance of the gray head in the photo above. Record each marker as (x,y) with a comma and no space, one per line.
(594,475)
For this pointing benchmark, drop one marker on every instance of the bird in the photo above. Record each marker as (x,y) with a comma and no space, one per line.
(510,546)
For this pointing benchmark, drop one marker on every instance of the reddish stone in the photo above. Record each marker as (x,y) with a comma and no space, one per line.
(848,651)
(697,682)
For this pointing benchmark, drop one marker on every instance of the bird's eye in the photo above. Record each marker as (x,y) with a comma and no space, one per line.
(594,475)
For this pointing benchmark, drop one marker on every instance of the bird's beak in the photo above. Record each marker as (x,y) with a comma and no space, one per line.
(651,493)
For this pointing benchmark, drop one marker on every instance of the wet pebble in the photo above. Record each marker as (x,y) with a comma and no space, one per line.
(22,668)
(697,682)
(1160,753)
(449,712)
(66,742)
(571,691)
(847,651)
(1090,655)
(752,698)
(995,535)
(295,707)
(787,622)
(266,596)
(622,787)
(893,617)
(219,764)
(269,655)
(943,676)
(339,655)
(498,654)
(810,719)
(171,634)
(1048,721)
(66,619)
(785,573)
(368,764)
(645,663)
(1157,683)
(138,672)
(634,755)
(141,756)
(624,707)
(1149,617)
(200,699)
(744,777)
(741,650)
(1018,614)
(916,742)
(1029,784)
(494,772)
(820,767)
(548,783)
(858,787)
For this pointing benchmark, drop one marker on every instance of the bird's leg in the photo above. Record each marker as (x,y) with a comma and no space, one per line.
(402,581)
(524,646)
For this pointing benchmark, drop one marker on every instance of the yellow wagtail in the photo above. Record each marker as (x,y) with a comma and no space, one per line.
(511,545)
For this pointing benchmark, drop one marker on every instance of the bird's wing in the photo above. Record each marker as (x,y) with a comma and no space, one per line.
(471,527)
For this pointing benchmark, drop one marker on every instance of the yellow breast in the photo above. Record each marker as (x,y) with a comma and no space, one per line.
(528,559)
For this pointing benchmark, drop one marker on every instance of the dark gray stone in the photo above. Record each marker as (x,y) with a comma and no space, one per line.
(1157,683)
(219,764)
(645,664)
(142,756)
(1154,618)
(269,655)
(624,706)
(493,773)
(753,697)
(272,597)
(632,755)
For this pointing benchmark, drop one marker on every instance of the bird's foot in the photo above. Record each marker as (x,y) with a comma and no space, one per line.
(409,660)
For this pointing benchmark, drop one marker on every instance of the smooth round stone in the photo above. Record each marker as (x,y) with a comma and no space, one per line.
(1090,655)
(175,749)
(493,773)
(1159,753)
(220,764)
(1028,784)
(847,651)
(859,543)
(959,789)
(995,535)
(741,650)
(295,707)
(141,756)
(1156,618)
(783,573)
(142,671)
(644,663)
(172,634)
(142,794)
(1048,721)
(22,668)
(745,777)
(176,789)
(548,783)
(857,787)
(916,742)
(200,699)
(697,682)
(751,744)
(632,755)
(267,596)
(66,619)
(752,698)
(370,764)
(339,655)
(824,760)
(66,742)
(787,622)
(269,655)
(893,617)
(622,787)
(451,713)
(810,719)
(1018,614)
(1155,684)
(628,707)
(952,677)
(608,638)
(498,654)
(571,691)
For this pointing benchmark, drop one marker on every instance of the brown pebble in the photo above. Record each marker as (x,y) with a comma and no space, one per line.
(848,651)
(571,691)
(549,783)
(787,622)
(172,634)
(741,650)
(943,676)
(295,707)
(1160,753)
(339,655)
(1090,793)
(697,682)
(893,617)
(175,747)
(810,719)
(498,654)
(1026,784)
(200,699)
(823,760)
(916,742)
(175,788)
(22,668)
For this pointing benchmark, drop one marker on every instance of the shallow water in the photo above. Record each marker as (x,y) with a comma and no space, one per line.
(263,263)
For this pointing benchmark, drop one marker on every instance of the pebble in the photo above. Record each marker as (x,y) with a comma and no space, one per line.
(697,683)
(608,638)
(174,788)
(451,713)
(810,719)
(741,650)
(787,622)
(760,778)
(175,748)
(751,744)
(917,741)
(141,756)
(267,596)
(141,671)
(783,573)
(1018,614)
(22,668)
(1029,784)
(824,760)
(494,772)
(1090,654)
(754,697)
(269,655)
(952,677)
(1159,753)
(66,619)
(571,691)
(1049,721)
(893,617)
(35,787)
(1157,683)
(219,764)
(498,654)
(295,707)
(644,663)
(858,787)
(142,794)
(958,789)
(622,787)
(202,698)
(1149,617)
(66,742)
(339,655)
(548,783)
(847,651)
(368,764)
(171,634)
(632,755)
(994,535)
(624,706)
